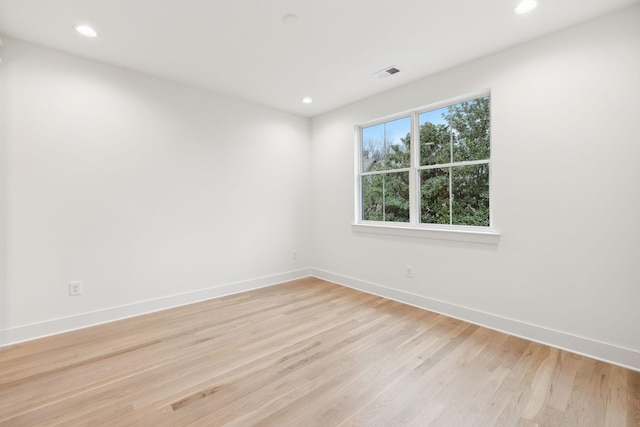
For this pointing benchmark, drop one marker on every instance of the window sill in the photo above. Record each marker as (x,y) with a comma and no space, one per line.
(484,236)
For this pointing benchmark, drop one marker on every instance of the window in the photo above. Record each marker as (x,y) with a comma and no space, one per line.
(427,168)
(386,161)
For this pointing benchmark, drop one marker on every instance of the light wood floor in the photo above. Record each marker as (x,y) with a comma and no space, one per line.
(306,353)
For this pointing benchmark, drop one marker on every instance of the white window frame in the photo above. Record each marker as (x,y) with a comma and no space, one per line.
(473,234)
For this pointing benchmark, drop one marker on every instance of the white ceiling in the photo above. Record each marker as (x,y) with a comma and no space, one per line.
(243,47)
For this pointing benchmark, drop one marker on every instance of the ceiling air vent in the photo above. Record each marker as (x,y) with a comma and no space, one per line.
(389,71)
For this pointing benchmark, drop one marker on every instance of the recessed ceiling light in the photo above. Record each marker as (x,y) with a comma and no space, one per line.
(307,100)
(526,6)
(86,30)
(291,19)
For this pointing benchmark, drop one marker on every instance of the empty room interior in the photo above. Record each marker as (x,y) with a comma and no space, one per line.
(334,213)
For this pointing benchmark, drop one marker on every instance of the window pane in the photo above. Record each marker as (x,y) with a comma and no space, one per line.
(470,124)
(386,146)
(434,196)
(471,195)
(385,197)
(372,200)
(398,137)
(435,138)
(372,147)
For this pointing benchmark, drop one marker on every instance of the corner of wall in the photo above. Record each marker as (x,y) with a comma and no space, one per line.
(3,198)
(626,358)
(65,324)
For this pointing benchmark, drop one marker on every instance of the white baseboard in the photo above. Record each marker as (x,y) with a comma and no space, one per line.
(605,352)
(65,324)
(587,347)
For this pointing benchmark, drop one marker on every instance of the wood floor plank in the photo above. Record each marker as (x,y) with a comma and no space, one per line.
(306,352)
(617,399)
(633,399)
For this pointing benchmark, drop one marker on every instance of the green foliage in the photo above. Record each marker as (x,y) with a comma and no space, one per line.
(435,144)
(464,136)
(386,197)
(471,128)
(470,204)
(434,191)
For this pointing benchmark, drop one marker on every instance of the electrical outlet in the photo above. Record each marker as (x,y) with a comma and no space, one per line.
(408,271)
(294,255)
(75,288)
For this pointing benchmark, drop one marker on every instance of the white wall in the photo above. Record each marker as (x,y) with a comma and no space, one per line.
(565,186)
(3,201)
(155,194)
(140,188)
